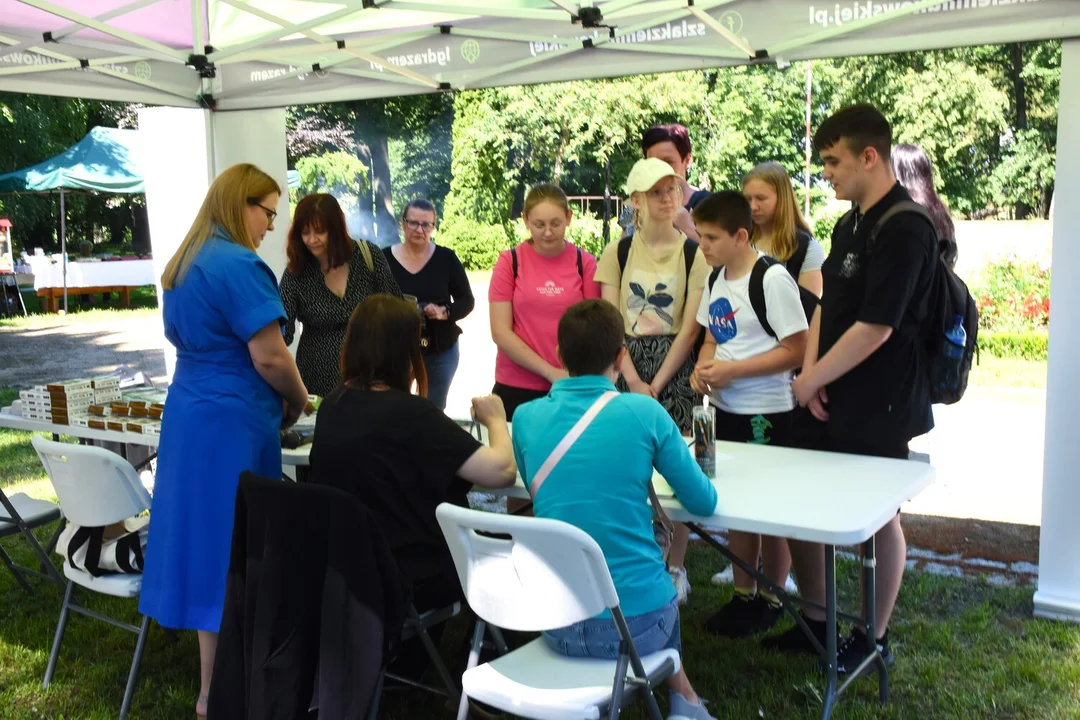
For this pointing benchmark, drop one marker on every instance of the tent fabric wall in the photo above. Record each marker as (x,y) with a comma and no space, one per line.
(244,54)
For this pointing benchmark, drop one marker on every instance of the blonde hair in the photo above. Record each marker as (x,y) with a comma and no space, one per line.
(222,210)
(787,220)
(546,193)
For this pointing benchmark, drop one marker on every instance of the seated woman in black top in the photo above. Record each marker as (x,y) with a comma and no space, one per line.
(397,452)
(435,277)
(328,275)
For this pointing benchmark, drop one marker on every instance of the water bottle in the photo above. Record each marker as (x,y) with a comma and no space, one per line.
(953,352)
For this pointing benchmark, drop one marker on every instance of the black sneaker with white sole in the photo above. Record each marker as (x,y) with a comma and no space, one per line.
(851,652)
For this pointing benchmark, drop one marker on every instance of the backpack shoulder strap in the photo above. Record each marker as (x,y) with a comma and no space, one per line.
(802,247)
(712,277)
(513,261)
(897,209)
(689,249)
(624,252)
(757,292)
(580,265)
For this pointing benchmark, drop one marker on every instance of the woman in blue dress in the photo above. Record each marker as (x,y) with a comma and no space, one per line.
(235,384)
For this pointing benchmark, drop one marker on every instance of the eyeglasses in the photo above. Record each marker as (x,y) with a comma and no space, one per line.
(658,194)
(270,214)
(416,225)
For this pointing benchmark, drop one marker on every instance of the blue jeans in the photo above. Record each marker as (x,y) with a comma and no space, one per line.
(440,373)
(598,637)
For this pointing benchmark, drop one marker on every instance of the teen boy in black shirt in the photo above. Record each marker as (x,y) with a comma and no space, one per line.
(863,374)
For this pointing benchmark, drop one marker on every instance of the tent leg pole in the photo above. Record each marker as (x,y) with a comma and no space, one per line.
(63,245)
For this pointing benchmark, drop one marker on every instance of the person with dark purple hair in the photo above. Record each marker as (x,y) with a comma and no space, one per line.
(916,173)
(670,143)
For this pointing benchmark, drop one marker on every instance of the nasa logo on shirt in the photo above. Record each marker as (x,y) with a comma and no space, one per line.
(550,289)
(722,320)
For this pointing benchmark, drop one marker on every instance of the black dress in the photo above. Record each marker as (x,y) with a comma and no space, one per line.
(325,316)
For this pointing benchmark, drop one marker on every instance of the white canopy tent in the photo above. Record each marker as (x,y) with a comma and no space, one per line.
(256,56)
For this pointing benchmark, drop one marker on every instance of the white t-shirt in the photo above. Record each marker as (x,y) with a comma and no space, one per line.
(728,316)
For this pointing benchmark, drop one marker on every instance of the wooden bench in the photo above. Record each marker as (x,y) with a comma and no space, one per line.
(54,296)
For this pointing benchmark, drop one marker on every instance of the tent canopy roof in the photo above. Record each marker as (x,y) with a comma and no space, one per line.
(103,161)
(238,54)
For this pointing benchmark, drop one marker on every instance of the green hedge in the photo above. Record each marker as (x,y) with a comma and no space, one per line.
(476,245)
(1026,346)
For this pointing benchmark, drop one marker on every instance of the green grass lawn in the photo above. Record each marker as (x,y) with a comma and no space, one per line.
(965,649)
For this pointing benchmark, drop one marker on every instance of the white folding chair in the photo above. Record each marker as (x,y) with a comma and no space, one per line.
(546,575)
(95,488)
(20,514)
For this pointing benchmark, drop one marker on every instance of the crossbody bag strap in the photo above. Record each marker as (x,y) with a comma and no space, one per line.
(658,512)
(568,441)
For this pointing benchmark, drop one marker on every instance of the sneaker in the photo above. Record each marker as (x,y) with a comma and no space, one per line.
(727,577)
(742,616)
(852,651)
(724,577)
(682,583)
(794,640)
(683,709)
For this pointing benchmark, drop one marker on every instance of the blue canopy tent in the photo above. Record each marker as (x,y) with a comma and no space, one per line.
(103,161)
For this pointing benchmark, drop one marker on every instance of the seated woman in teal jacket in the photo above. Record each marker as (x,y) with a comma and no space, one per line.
(601,485)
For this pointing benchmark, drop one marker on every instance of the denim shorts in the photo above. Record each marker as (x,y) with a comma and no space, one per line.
(598,637)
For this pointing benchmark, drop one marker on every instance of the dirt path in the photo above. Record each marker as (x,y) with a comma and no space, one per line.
(61,348)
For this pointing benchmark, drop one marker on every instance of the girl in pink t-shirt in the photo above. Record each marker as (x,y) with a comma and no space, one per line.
(531,287)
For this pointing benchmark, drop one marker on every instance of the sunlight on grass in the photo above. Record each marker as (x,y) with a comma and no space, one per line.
(994,372)
(37,322)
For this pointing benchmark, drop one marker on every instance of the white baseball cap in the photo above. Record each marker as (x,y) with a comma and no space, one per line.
(647,173)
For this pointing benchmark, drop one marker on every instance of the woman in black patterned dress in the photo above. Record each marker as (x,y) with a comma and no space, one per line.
(328,275)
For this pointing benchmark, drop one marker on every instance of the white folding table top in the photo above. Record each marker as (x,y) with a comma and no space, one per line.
(17,422)
(829,498)
(799,494)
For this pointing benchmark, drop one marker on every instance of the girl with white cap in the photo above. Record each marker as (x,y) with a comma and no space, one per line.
(653,277)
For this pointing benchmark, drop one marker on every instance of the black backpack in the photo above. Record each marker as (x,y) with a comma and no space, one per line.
(757,288)
(949,299)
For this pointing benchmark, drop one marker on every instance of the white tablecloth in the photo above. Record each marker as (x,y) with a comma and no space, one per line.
(131,273)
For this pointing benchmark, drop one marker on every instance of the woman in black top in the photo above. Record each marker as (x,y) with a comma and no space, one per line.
(399,454)
(327,277)
(435,277)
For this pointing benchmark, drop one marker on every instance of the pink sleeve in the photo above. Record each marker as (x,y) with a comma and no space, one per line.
(501,287)
(591,289)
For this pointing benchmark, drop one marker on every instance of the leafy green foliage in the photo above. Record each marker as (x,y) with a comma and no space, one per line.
(477,245)
(1021,345)
(329,170)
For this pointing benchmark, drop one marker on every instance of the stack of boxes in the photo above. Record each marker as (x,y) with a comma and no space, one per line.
(137,412)
(68,402)
(89,403)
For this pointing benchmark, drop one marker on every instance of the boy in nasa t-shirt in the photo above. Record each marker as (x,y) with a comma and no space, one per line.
(747,374)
